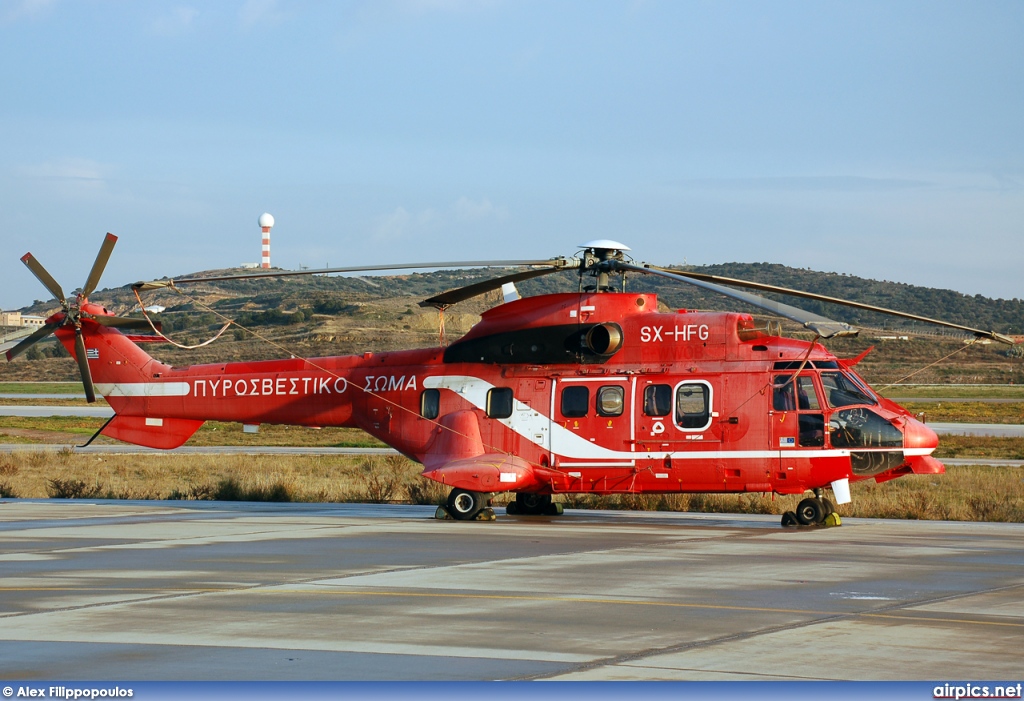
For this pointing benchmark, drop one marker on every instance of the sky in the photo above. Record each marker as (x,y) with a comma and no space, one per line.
(879,139)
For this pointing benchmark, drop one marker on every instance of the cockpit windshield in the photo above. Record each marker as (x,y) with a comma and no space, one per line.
(861,383)
(840,390)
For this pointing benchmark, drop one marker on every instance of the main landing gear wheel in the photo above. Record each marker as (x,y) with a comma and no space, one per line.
(529,504)
(464,505)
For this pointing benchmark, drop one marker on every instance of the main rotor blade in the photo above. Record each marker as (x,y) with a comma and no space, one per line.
(44,277)
(101,262)
(823,326)
(83,367)
(837,300)
(446,299)
(36,336)
(123,322)
(157,284)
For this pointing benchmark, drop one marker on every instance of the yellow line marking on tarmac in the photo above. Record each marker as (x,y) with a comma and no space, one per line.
(276,589)
(557,599)
(924,619)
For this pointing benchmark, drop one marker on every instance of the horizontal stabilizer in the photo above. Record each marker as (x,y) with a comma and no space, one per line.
(151,432)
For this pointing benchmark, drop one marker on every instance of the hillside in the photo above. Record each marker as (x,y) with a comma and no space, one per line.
(337,315)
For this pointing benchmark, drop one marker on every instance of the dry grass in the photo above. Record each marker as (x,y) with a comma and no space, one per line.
(994,447)
(969,412)
(66,474)
(75,429)
(962,494)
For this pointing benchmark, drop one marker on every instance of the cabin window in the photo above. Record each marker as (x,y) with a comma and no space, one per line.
(657,400)
(693,405)
(575,401)
(430,403)
(499,402)
(610,401)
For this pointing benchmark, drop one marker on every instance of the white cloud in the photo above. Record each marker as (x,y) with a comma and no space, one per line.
(424,7)
(470,210)
(255,12)
(393,226)
(25,9)
(68,169)
(402,224)
(178,21)
(72,177)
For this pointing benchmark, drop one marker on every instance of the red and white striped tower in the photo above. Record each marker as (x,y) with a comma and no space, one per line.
(266,222)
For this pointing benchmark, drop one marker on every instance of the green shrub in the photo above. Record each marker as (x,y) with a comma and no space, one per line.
(57,488)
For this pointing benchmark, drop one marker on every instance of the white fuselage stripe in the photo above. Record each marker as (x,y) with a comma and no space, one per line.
(528,423)
(143,389)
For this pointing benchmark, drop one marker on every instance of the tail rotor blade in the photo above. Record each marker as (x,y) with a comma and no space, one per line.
(35,337)
(83,367)
(44,277)
(101,262)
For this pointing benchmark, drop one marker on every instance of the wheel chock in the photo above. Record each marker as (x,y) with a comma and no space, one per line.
(485,514)
(832,520)
(554,510)
(511,509)
(442,514)
(789,520)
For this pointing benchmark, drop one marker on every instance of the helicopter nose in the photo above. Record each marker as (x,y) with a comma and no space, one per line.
(917,435)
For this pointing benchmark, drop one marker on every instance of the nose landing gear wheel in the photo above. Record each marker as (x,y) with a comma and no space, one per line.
(810,512)
(464,505)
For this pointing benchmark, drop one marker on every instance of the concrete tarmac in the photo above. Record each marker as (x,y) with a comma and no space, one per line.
(168,590)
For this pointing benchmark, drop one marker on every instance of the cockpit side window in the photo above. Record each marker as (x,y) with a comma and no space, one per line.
(782,393)
(840,390)
(806,396)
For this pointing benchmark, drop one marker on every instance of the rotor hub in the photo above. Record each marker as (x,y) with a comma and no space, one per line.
(599,258)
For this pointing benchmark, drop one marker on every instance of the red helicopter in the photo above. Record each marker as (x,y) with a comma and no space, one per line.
(593,391)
